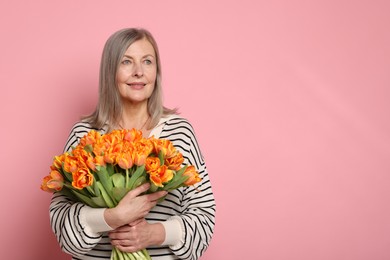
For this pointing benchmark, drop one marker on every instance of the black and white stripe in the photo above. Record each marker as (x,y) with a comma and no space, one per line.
(195,206)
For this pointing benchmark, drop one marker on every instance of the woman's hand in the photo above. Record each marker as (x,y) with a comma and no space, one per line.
(137,236)
(132,207)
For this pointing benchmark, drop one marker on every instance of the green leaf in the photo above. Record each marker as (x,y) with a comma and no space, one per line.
(141,180)
(71,188)
(91,190)
(181,171)
(105,195)
(68,175)
(161,157)
(153,188)
(118,193)
(110,169)
(88,148)
(69,194)
(105,180)
(86,200)
(176,182)
(118,180)
(138,173)
(96,189)
(99,201)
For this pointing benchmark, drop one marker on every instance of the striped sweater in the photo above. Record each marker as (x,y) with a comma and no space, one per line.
(192,207)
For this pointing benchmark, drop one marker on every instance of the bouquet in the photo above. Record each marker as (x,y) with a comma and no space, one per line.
(101,169)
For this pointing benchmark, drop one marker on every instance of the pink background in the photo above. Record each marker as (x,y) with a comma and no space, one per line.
(289,100)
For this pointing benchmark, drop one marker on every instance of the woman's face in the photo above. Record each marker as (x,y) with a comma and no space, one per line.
(136,75)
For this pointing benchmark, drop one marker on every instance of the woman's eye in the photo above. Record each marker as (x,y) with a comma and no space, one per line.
(126,62)
(148,62)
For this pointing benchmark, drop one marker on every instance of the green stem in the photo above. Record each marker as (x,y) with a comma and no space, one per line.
(138,256)
(119,254)
(129,256)
(127,177)
(113,254)
(146,254)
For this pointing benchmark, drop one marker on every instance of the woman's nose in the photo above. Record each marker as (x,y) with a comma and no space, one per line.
(138,70)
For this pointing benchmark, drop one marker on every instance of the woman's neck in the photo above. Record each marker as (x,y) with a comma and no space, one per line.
(135,116)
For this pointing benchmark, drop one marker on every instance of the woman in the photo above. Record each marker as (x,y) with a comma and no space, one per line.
(130,96)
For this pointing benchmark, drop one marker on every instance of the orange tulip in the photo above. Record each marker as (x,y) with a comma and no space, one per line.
(140,158)
(175,162)
(82,178)
(193,175)
(161,175)
(58,160)
(99,149)
(80,154)
(112,138)
(91,138)
(70,164)
(152,164)
(132,135)
(156,180)
(111,153)
(52,182)
(167,174)
(90,162)
(99,160)
(44,184)
(165,146)
(142,150)
(124,160)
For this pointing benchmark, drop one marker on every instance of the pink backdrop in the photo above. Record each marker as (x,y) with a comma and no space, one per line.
(289,99)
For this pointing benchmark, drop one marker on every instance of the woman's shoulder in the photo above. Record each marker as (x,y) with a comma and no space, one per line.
(177,124)
(79,130)
(83,127)
(176,121)
(179,130)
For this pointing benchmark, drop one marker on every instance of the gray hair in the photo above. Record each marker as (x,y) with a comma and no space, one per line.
(109,107)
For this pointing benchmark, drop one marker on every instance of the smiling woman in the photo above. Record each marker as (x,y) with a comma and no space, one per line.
(136,78)
(179,227)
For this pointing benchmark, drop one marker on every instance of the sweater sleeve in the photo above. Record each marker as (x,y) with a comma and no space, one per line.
(198,205)
(73,234)
(69,219)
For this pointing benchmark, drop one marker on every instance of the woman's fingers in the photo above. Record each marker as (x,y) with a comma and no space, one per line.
(132,238)
(124,228)
(139,190)
(136,222)
(133,206)
(156,195)
(125,248)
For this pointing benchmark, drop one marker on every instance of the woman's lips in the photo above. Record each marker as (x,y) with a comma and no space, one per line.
(136,85)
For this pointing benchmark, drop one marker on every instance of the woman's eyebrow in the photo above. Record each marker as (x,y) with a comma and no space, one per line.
(130,57)
(149,55)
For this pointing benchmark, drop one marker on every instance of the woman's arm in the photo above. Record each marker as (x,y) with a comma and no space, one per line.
(78,227)
(73,233)
(189,231)
(70,221)
(198,205)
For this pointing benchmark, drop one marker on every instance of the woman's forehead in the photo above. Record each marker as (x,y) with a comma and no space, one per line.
(141,47)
